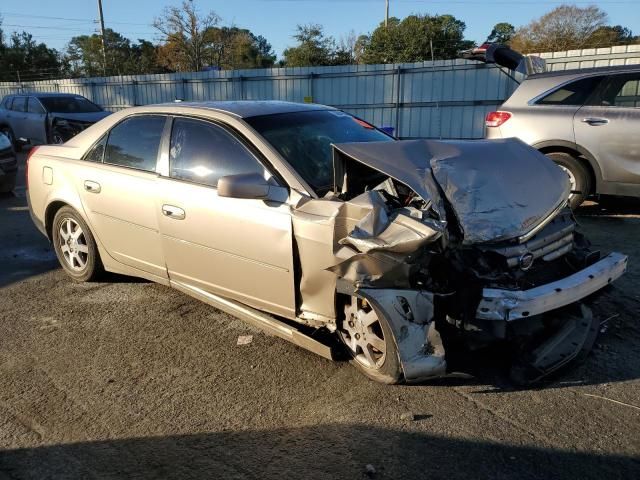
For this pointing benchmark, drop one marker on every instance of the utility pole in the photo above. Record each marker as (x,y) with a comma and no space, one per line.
(386,13)
(104,50)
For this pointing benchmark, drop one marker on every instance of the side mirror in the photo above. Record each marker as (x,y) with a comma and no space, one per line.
(250,186)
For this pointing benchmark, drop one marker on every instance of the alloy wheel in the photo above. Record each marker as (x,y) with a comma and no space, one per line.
(73,244)
(362,333)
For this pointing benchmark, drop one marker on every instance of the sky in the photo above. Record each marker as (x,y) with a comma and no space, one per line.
(276,19)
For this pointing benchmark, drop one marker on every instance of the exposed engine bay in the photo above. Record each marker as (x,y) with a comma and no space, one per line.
(453,242)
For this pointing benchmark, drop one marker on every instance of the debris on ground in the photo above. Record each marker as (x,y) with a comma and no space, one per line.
(408,416)
(244,339)
(369,470)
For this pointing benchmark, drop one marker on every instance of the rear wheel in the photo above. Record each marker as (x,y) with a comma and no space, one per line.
(578,176)
(370,343)
(75,246)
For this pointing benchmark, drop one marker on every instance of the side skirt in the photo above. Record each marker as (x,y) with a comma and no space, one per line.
(266,322)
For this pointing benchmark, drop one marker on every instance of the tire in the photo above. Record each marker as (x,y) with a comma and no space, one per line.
(581,181)
(77,252)
(383,367)
(9,133)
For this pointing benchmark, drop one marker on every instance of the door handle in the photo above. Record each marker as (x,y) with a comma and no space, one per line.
(595,121)
(91,186)
(173,212)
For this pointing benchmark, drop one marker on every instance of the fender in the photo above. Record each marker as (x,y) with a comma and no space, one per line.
(593,163)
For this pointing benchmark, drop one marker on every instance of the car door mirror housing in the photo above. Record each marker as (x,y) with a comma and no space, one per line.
(250,186)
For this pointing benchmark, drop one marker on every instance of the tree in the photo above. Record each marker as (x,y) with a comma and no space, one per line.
(232,47)
(84,55)
(314,48)
(416,38)
(502,33)
(608,36)
(187,37)
(29,60)
(566,27)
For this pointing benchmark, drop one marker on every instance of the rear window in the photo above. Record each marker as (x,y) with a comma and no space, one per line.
(574,93)
(620,91)
(134,143)
(69,105)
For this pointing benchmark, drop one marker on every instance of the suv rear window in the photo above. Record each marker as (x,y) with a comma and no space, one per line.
(574,93)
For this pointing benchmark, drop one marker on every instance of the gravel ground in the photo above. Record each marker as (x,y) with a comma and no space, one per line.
(128,379)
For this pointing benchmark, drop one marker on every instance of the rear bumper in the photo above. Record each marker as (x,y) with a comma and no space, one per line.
(509,305)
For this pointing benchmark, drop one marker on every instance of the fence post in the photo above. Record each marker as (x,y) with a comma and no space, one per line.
(242,92)
(397,102)
(184,89)
(134,88)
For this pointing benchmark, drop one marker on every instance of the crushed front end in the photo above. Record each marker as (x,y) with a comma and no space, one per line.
(466,242)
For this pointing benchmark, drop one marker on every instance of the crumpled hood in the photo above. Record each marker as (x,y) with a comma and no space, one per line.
(81,117)
(498,189)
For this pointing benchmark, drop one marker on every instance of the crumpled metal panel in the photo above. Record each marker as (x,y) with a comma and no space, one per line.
(410,313)
(360,240)
(498,189)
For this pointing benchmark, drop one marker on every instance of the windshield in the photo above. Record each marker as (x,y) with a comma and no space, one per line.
(304,139)
(69,105)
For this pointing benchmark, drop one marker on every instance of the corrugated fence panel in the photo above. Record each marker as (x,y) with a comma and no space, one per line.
(441,99)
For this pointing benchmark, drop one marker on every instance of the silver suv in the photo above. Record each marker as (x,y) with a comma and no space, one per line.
(587,121)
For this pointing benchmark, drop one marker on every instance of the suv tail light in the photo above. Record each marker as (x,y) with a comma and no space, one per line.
(495,119)
(26,168)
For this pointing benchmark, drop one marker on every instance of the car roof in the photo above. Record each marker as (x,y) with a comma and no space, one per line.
(252,108)
(587,71)
(44,94)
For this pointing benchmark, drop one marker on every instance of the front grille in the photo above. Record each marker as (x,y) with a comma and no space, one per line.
(553,241)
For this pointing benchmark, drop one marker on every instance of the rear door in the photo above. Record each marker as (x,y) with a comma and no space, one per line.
(237,248)
(118,186)
(608,127)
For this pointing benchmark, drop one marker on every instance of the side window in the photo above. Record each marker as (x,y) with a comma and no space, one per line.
(33,106)
(203,152)
(134,142)
(621,91)
(96,153)
(574,93)
(19,104)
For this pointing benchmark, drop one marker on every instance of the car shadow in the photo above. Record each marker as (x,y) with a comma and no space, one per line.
(329,451)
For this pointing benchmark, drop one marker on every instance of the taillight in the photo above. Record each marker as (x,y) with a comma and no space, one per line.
(495,119)
(26,168)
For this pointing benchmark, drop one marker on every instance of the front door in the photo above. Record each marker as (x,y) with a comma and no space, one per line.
(237,248)
(608,127)
(35,128)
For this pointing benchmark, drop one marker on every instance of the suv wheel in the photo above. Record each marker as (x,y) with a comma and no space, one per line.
(75,247)
(370,343)
(578,176)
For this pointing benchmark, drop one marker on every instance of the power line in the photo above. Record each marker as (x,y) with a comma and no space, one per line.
(85,20)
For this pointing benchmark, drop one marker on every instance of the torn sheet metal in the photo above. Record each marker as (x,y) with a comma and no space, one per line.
(498,189)
(409,313)
(360,240)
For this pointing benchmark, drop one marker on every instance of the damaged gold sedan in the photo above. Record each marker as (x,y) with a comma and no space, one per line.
(325,231)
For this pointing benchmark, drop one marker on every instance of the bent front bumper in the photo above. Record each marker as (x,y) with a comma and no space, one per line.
(509,305)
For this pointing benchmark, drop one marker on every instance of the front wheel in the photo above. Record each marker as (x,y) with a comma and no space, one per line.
(75,246)
(369,341)
(579,177)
